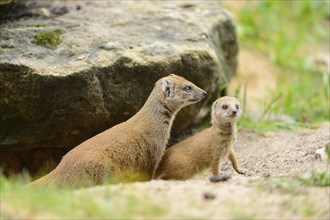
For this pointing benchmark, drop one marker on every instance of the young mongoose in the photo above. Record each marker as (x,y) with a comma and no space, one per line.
(207,148)
(131,149)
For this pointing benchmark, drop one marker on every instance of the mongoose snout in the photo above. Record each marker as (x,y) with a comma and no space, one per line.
(198,95)
(207,148)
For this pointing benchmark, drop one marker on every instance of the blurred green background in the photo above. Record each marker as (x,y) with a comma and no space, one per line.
(291,35)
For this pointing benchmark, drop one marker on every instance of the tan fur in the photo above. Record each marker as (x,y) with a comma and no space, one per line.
(130,150)
(207,148)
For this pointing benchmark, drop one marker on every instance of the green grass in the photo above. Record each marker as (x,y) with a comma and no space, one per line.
(305,208)
(79,204)
(238,213)
(280,28)
(327,150)
(284,31)
(37,25)
(71,53)
(298,201)
(317,179)
(293,184)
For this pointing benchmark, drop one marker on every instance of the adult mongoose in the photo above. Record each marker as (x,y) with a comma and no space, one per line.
(207,148)
(130,150)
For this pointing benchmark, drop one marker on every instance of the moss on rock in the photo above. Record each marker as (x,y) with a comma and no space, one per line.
(50,39)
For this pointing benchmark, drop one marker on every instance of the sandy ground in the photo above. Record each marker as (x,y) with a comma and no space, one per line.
(268,192)
(271,189)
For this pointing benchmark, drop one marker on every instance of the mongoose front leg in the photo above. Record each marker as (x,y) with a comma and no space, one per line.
(215,166)
(233,160)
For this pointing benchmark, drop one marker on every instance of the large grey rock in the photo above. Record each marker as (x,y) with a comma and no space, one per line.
(6,3)
(15,9)
(109,55)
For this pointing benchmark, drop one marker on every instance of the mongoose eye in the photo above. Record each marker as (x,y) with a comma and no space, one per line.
(224,107)
(237,106)
(187,88)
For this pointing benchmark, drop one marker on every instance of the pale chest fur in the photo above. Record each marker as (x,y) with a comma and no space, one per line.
(223,140)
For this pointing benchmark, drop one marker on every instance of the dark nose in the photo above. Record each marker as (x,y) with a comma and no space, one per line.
(204,94)
(234,112)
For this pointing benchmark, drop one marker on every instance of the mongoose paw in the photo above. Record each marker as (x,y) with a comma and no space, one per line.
(215,179)
(240,171)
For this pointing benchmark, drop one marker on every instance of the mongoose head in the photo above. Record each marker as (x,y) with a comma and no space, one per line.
(226,109)
(179,92)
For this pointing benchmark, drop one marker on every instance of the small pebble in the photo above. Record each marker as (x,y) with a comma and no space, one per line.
(266,174)
(319,60)
(209,196)
(321,154)
(204,36)
(81,57)
(42,12)
(110,46)
(60,9)
(187,5)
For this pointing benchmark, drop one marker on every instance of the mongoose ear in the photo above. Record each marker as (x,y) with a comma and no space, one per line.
(167,87)
(214,106)
(213,113)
